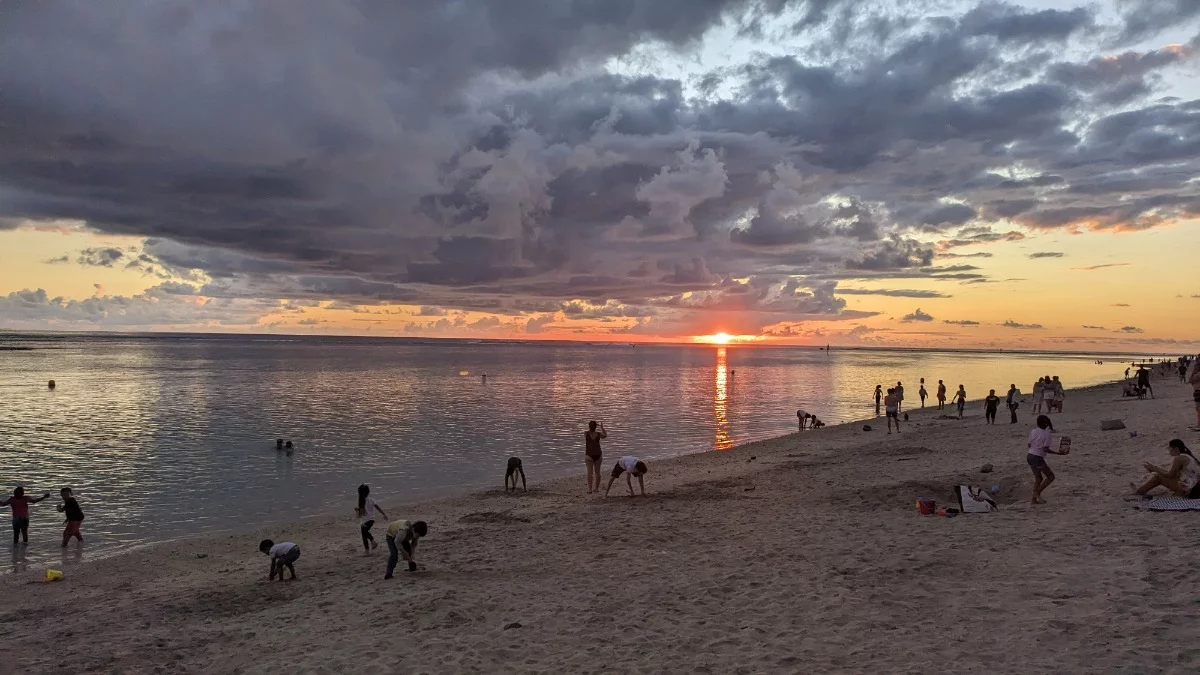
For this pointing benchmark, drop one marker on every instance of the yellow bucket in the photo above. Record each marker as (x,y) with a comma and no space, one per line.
(53,575)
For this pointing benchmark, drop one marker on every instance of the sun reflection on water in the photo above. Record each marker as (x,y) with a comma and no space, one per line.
(720,402)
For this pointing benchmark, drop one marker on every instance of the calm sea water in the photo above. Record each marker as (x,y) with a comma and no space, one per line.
(167,436)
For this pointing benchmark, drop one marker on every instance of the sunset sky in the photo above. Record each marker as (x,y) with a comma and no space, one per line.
(903,172)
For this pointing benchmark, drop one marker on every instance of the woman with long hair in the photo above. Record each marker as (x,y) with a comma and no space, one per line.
(1181,479)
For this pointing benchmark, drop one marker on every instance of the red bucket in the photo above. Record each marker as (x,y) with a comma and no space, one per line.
(927,507)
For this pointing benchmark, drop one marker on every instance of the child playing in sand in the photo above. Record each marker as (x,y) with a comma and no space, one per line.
(990,405)
(74,515)
(402,538)
(282,555)
(1039,445)
(632,465)
(366,513)
(19,503)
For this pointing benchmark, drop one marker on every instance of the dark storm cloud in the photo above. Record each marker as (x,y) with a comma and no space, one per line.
(358,152)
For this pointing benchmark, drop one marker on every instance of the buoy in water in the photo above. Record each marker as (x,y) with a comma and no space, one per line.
(51,385)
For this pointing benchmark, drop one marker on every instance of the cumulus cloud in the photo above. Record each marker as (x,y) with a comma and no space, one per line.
(526,171)
(916,315)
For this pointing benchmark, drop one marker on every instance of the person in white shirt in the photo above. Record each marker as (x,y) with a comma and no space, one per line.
(282,556)
(366,513)
(1039,445)
(634,467)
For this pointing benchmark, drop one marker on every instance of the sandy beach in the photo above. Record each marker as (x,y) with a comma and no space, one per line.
(802,554)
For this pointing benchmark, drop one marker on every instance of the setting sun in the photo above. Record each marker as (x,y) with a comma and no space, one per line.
(716,339)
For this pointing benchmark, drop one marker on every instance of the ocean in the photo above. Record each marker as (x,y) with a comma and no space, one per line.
(164,436)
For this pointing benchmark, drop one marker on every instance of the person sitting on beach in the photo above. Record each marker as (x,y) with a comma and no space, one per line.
(514,469)
(990,405)
(941,395)
(19,503)
(816,423)
(634,467)
(922,393)
(1039,445)
(892,406)
(593,454)
(402,538)
(961,398)
(282,555)
(878,397)
(74,517)
(1181,480)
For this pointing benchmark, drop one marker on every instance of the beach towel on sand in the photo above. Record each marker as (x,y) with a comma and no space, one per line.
(1170,504)
(973,499)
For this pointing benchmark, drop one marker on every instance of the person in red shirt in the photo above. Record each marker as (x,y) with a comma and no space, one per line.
(19,504)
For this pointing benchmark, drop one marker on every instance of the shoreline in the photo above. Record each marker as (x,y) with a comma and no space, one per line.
(727,542)
(457,494)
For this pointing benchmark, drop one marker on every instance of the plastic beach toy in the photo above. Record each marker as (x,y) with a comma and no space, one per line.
(53,575)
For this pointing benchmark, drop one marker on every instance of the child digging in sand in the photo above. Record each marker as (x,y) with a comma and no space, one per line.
(1039,445)
(402,539)
(282,556)
(633,467)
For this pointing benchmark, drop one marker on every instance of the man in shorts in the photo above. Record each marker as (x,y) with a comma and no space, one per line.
(891,405)
(634,467)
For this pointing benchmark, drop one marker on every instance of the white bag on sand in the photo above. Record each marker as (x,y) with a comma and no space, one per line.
(973,499)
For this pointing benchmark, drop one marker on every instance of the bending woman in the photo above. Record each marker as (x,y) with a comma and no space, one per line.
(1181,479)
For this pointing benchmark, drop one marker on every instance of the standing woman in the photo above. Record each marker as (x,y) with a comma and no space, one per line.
(1059,394)
(941,395)
(366,513)
(1039,393)
(960,397)
(1039,446)
(593,454)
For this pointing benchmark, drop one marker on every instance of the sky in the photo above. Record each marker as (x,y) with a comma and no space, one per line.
(919,173)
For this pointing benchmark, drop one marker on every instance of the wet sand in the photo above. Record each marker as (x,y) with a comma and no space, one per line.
(804,553)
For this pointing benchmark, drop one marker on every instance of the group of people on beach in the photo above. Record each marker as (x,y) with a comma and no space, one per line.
(402,536)
(20,502)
